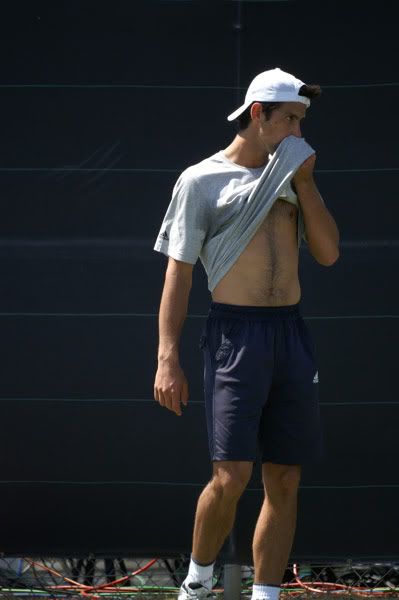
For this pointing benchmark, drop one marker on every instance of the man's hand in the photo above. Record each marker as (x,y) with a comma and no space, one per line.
(171,386)
(305,171)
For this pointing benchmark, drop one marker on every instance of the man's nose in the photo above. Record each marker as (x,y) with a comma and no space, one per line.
(297,130)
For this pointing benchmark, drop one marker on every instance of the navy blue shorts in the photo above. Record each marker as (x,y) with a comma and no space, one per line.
(261,385)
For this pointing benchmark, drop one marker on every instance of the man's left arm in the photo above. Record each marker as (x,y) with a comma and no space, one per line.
(321,230)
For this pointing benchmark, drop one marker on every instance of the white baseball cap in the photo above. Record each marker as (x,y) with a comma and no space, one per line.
(274,85)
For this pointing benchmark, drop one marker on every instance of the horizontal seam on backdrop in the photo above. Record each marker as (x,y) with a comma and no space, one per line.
(83,169)
(145,170)
(187,484)
(174,87)
(130,243)
(156,315)
(152,400)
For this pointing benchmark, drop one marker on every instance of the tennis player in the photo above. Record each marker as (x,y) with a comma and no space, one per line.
(244,211)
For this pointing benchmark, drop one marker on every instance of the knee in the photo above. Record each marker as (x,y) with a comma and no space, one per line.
(282,481)
(230,482)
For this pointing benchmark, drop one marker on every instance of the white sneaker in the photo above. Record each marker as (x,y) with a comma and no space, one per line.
(195,591)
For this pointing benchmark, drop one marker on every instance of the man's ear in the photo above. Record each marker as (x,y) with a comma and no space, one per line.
(256,111)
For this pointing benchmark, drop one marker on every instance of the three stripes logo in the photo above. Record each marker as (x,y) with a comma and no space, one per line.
(316,378)
(164,235)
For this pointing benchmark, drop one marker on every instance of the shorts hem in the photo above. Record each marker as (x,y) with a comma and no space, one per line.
(232,459)
(289,461)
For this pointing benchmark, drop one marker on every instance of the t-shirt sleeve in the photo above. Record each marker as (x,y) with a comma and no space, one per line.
(185,224)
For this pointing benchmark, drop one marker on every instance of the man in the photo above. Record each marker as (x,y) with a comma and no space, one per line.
(244,210)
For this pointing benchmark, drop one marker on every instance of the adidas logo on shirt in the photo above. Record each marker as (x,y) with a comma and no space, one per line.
(316,378)
(164,235)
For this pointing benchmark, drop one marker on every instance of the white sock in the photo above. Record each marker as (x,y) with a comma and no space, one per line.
(262,591)
(200,574)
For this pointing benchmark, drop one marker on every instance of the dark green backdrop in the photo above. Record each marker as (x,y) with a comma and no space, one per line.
(101,108)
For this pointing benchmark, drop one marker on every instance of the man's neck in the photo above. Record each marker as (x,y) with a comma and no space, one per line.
(245,152)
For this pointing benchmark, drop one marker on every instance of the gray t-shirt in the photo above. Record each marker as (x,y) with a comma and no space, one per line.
(217,206)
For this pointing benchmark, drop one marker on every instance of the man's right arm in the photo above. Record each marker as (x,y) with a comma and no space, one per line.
(171,387)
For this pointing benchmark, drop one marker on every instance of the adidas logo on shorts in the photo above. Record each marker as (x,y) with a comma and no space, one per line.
(316,378)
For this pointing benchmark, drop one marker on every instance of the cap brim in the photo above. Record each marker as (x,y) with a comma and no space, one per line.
(238,112)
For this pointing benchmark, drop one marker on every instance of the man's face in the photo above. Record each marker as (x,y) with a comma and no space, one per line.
(285,120)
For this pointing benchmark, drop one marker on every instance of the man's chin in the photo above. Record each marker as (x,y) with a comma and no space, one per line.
(273,147)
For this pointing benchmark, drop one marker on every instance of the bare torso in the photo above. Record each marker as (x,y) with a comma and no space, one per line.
(266,272)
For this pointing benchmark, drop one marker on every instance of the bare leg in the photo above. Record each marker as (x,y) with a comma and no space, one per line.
(216,508)
(275,529)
